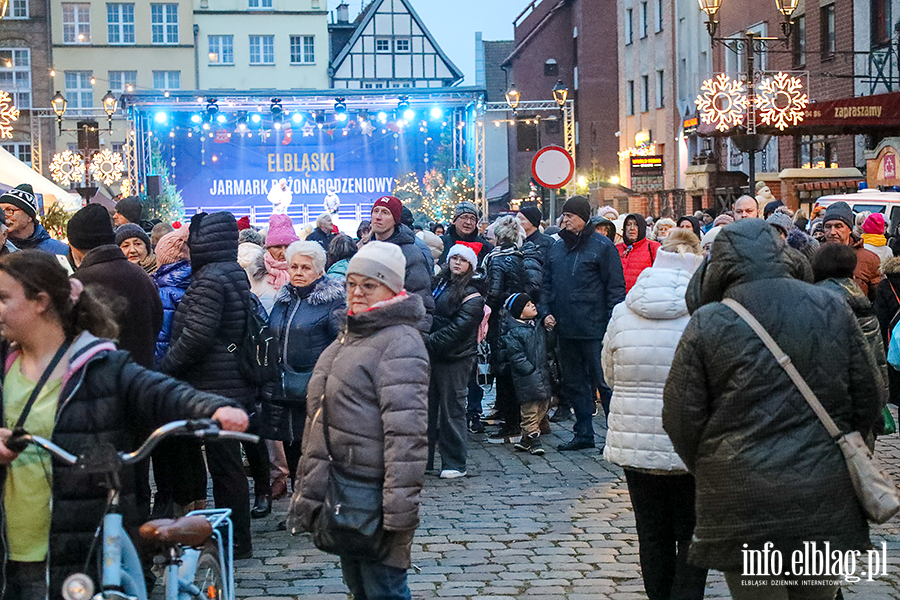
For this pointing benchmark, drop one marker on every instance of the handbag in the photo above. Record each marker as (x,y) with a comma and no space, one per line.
(294,384)
(874,488)
(350,522)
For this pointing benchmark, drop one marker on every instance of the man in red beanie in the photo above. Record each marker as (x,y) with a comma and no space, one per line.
(387,227)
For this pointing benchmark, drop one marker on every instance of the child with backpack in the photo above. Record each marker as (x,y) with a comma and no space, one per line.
(524,344)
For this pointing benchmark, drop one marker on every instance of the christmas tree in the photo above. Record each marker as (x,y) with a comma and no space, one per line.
(168,207)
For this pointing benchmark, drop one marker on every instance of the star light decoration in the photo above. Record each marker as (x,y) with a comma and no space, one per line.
(67,167)
(8,115)
(107,167)
(781,100)
(723,102)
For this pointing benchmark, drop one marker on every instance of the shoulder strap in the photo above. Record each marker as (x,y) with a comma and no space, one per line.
(20,423)
(785,361)
(470,297)
(653,249)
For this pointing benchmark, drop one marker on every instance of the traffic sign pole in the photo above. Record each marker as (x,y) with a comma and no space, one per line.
(553,167)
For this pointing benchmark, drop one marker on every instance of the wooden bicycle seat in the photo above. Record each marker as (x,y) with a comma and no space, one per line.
(186,531)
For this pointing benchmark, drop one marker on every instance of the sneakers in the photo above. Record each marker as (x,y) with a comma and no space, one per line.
(530,444)
(452,474)
(475,425)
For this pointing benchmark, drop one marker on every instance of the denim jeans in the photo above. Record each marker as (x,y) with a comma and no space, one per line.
(582,375)
(374,581)
(664,514)
(476,395)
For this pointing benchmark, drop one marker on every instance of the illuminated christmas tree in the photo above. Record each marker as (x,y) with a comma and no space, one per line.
(168,206)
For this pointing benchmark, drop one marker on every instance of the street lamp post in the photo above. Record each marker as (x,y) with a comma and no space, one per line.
(750,43)
(59,104)
(109,106)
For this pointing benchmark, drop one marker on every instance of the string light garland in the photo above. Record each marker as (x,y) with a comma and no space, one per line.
(723,102)
(781,100)
(67,167)
(107,167)
(9,114)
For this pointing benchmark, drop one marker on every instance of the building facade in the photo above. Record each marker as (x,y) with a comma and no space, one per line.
(261,44)
(390,47)
(25,75)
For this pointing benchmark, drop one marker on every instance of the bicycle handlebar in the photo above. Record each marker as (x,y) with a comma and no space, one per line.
(200,428)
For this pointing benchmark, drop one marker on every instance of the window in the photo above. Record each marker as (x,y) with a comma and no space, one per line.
(76,23)
(20,151)
(164,23)
(18,9)
(629,97)
(79,91)
(881,22)
(827,24)
(118,147)
(551,69)
(401,45)
(221,49)
(260,4)
(629,26)
(645,96)
(15,75)
(120,23)
(799,41)
(121,82)
(816,152)
(303,49)
(643,19)
(660,89)
(659,15)
(262,49)
(167,80)
(382,45)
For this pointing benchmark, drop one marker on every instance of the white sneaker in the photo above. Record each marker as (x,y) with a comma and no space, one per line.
(452,474)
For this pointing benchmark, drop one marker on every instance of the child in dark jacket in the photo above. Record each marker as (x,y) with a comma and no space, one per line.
(525,351)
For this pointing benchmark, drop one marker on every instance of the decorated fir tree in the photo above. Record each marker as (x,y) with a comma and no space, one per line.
(168,206)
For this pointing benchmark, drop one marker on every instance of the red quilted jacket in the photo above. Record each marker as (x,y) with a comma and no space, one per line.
(636,258)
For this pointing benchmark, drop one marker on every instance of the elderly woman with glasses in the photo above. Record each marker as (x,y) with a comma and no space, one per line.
(305,320)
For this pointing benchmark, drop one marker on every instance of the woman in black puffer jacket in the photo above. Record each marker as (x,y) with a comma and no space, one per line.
(211,318)
(95,395)
(452,346)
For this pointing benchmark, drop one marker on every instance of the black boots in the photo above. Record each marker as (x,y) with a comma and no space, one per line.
(262,507)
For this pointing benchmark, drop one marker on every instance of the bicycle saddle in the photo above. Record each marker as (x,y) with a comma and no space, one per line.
(186,531)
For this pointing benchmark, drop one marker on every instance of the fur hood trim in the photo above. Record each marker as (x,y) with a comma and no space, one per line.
(891,266)
(327,290)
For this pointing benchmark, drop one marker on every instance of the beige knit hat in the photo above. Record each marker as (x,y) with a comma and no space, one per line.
(381,261)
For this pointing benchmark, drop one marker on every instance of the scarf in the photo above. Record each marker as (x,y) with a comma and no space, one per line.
(278,271)
(874,239)
(149,264)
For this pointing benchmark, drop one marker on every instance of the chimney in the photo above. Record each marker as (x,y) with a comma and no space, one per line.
(343,13)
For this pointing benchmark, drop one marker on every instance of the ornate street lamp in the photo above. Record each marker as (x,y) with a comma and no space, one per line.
(787,8)
(711,7)
(560,93)
(59,104)
(512,97)
(109,105)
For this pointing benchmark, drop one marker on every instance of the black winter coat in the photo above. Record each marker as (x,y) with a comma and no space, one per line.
(105,398)
(766,469)
(476,242)
(212,314)
(322,238)
(524,348)
(133,297)
(533,261)
(418,272)
(304,321)
(454,331)
(542,241)
(888,310)
(582,284)
(505,275)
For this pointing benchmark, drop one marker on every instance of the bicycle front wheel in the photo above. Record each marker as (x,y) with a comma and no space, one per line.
(208,577)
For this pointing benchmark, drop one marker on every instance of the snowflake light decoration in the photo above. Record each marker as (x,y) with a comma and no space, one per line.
(67,167)
(8,115)
(125,187)
(781,100)
(723,102)
(107,166)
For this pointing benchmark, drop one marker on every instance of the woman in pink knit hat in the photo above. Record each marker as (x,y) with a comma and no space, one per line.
(280,235)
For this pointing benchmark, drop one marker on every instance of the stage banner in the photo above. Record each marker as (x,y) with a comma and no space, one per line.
(228,170)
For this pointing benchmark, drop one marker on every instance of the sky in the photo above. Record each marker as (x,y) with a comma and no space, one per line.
(453,24)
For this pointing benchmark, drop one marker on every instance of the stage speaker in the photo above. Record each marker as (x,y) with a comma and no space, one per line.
(153,185)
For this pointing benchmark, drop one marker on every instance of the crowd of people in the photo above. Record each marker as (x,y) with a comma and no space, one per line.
(383,339)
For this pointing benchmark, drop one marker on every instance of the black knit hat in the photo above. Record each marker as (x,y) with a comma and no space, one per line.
(130,208)
(578,205)
(90,227)
(131,230)
(22,197)
(533,214)
(839,211)
(515,304)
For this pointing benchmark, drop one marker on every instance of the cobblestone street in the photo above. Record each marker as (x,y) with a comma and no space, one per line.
(519,526)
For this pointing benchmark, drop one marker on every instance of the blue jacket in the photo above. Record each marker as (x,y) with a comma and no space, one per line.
(41,240)
(172,280)
(582,284)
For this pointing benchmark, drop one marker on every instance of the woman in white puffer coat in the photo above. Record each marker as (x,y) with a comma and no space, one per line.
(637,353)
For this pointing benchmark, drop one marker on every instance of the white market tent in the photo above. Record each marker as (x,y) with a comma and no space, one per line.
(14,172)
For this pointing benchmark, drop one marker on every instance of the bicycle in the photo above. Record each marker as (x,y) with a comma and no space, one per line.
(196,549)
